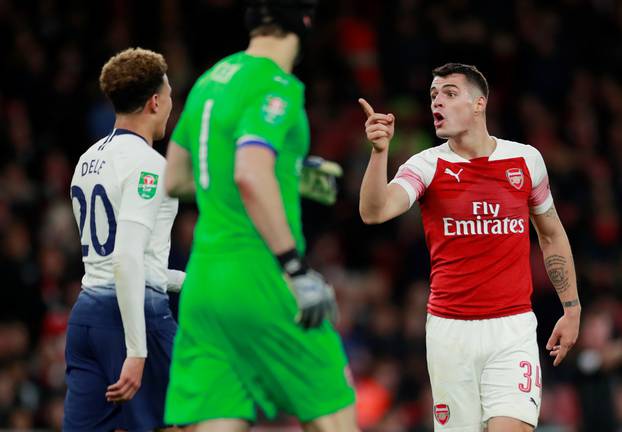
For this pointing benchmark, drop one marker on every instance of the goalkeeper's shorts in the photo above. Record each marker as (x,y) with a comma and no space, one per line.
(238,347)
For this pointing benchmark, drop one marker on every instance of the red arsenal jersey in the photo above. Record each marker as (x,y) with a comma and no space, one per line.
(476,221)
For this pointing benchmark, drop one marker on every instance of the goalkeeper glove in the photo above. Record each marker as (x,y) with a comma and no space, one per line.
(315,297)
(318,180)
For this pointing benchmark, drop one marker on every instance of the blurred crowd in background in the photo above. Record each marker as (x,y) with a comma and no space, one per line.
(555,71)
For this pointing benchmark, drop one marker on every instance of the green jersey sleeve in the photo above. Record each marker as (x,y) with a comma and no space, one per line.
(268,116)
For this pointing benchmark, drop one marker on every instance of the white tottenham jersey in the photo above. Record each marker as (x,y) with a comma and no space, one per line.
(119,178)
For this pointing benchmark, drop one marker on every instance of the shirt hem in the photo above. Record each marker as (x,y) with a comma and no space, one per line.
(465,317)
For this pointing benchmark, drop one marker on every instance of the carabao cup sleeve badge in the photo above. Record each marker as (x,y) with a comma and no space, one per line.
(147,185)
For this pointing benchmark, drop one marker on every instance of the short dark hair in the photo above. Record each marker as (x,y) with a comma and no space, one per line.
(268,30)
(472,74)
(131,77)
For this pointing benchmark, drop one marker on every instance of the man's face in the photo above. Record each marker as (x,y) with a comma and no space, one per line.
(453,102)
(165,104)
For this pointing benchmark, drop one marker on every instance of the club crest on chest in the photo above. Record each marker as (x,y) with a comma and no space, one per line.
(515,177)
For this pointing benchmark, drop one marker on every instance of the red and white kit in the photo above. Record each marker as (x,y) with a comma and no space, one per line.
(482,363)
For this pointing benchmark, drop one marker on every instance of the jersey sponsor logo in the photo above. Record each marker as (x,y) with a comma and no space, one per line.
(274,109)
(515,177)
(147,185)
(441,413)
(453,174)
(486,222)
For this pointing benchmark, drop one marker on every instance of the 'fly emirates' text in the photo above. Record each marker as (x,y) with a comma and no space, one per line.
(479,226)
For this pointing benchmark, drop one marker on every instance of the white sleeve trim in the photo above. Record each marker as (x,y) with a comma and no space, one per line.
(544,207)
(412,194)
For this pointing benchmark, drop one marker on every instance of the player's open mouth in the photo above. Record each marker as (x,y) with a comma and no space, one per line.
(438,119)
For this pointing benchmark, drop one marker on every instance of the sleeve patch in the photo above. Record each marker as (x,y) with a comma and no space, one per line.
(274,109)
(147,185)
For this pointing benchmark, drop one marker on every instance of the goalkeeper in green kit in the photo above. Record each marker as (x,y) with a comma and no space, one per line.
(254,320)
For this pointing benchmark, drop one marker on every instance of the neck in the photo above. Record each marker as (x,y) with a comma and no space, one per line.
(281,50)
(135,123)
(474,143)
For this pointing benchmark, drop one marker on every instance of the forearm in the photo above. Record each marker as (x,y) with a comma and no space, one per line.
(178,179)
(559,266)
(373,195)
(184,189)
(129,272)
(129,275)
(261,195)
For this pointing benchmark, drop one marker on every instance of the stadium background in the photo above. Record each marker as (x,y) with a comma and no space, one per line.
(555,73)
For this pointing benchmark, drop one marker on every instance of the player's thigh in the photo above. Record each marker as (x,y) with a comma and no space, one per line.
(454,375)
(507,424)
(511,380)
(341,421)
(204,382)
(220,425)
(85,402)
(147,406)
(302,372)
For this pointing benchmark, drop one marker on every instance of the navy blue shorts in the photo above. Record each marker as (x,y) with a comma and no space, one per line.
(94,354)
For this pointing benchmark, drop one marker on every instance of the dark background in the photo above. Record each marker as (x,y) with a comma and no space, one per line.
(555,73)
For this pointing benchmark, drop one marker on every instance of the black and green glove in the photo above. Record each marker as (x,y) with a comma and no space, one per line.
(318,180)
(314,296)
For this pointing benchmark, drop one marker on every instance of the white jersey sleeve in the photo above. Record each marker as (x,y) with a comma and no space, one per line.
(129,270)
(142,186)
(416,174)
(540,198)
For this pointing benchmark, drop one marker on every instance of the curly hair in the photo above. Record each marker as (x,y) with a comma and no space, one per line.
(131,77)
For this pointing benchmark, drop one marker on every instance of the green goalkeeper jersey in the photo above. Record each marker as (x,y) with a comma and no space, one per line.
(242,100)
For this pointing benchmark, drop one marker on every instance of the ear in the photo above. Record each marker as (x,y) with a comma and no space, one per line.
(480,105)
(153,104)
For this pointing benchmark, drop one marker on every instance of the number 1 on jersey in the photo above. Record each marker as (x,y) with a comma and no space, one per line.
(203,137)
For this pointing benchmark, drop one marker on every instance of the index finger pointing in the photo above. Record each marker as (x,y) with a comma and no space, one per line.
(366,107)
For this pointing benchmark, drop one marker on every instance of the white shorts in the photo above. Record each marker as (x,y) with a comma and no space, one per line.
(482,369)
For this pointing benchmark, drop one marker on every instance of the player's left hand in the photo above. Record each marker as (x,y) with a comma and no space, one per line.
(129,381)
(564,336)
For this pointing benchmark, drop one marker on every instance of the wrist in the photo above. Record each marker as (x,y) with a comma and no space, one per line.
(292,263)
(572,307)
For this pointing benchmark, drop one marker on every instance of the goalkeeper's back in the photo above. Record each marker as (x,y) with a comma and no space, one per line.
(242,100)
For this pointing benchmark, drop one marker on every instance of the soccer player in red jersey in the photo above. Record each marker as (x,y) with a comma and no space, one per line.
(477,194)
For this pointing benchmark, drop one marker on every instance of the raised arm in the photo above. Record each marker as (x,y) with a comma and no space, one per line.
(560,268)
(380,201)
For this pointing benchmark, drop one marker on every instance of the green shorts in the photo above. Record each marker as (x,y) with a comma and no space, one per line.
(238,346)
